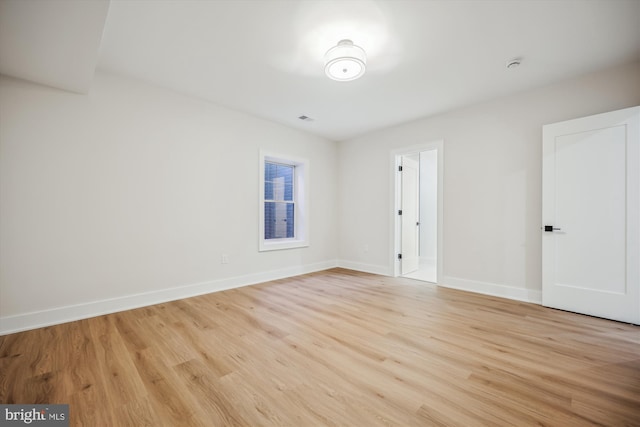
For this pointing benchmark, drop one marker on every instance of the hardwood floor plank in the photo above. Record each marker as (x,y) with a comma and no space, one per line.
(119,374)
(138,412)
(332,348)
(166,393)
(207,392)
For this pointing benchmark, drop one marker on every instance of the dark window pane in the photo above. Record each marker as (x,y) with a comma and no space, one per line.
(269,220)
(287,173)
(282,177)
(269,171)
(278,214)
(278,220)
(290,220)
(288,191)
(268,190)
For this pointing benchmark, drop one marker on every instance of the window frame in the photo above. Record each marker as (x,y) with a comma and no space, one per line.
(300,197)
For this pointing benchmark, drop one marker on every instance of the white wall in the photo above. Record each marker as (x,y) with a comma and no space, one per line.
(492,182)
(116,198)
(429,205)
(131,194)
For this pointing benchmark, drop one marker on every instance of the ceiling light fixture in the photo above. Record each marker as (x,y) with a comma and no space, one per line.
(345,61)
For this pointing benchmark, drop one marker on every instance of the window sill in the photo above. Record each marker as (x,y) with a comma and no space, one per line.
(281,244)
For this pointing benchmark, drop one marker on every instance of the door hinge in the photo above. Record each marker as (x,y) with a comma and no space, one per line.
(400,212)
(399,256)
(399,168)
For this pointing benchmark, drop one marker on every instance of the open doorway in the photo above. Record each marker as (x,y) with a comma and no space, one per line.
(418,212)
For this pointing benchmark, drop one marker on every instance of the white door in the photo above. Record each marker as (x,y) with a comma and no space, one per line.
(591,215)
(410,213)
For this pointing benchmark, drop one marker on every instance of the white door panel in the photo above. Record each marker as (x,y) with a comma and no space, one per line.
(590,209)
(591,192)
(410,214)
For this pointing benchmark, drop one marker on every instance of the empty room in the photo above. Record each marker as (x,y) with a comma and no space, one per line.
(320,213)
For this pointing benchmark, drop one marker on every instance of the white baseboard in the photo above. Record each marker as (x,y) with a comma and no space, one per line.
(493,289)
(54,316)
(382,270)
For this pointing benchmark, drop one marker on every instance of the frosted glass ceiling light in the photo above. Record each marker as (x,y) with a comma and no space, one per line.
(345,61)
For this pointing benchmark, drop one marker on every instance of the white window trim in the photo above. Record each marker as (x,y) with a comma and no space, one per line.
(301,212)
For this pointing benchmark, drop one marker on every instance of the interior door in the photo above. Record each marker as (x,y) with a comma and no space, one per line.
(410,213)
(591,215)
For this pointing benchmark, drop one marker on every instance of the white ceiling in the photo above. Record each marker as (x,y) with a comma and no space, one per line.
(55,43)
(264,57)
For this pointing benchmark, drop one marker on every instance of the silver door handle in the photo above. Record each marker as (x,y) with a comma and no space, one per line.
(550,228)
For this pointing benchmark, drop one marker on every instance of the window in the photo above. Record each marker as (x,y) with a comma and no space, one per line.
(279,206)
(283,216)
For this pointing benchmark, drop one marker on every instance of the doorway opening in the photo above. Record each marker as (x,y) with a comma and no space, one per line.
(418,212)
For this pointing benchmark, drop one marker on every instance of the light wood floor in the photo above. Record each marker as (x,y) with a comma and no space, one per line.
(332,348)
